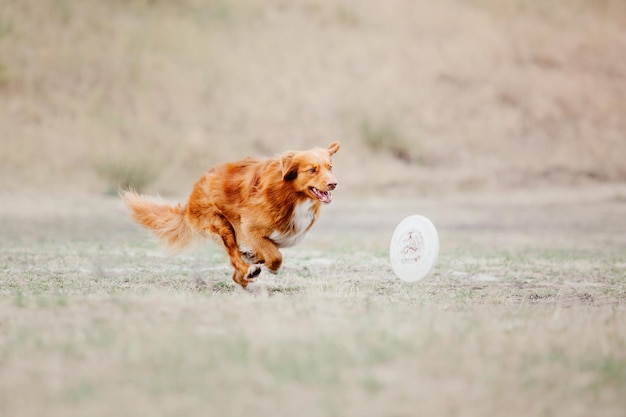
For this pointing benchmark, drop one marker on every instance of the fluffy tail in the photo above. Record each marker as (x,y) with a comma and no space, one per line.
(167,223)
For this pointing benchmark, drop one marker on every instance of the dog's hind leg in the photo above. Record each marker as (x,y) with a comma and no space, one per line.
(219,227)
(244,273)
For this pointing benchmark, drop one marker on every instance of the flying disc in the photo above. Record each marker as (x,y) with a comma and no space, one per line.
(414,248)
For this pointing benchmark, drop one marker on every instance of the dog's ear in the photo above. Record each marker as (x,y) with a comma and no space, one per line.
(333,147)
(289,166)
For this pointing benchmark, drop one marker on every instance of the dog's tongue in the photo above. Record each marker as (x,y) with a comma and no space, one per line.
(323,196)
(326,197)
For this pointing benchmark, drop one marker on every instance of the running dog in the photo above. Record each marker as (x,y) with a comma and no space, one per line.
(252,207)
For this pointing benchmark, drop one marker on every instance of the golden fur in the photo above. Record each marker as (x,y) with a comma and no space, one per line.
(253,207)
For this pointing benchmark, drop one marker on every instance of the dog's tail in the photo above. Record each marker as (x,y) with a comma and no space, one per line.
(168,223)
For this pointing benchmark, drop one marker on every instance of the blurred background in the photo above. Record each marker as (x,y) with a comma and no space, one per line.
(426,97)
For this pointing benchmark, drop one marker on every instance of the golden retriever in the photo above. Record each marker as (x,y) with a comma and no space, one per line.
(252,207)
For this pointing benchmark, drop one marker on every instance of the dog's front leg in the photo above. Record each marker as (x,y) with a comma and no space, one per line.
(266,251)
(244,280)
(271,255)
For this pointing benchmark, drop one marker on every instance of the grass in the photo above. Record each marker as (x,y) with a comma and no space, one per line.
(95,321)
(6,27)
(125,174)
(386,136)
(346,15)
(550,8)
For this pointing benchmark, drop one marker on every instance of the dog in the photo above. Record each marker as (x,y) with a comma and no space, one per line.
(253,207)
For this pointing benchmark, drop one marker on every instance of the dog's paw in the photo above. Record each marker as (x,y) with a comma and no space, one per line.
(253,271)
(249,256)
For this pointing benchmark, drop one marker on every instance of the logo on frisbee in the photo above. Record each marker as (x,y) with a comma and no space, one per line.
(412,243)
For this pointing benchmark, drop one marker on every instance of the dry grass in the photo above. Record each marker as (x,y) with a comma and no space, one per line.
(523,315)
(124,174)
(491,93)
(385,136)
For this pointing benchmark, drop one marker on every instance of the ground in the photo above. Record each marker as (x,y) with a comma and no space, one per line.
(523,315)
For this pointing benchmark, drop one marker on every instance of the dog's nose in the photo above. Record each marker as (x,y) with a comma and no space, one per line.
(332,185)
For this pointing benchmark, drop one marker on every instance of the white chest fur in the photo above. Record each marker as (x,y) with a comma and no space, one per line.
(303,216)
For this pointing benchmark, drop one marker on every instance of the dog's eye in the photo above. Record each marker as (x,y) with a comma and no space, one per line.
(330,167)
(312,170)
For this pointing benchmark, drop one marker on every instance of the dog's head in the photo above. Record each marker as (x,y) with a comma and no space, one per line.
(311,172)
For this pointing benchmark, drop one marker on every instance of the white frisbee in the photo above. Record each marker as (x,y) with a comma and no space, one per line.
(414,248)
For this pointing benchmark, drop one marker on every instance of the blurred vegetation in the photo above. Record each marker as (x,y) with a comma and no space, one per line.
(386,136)
(6,26)
(124,174)
(502,93)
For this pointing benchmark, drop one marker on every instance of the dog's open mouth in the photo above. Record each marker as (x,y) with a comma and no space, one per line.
(323,196)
